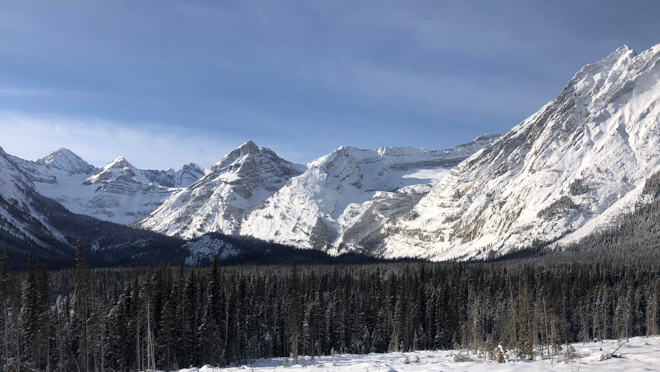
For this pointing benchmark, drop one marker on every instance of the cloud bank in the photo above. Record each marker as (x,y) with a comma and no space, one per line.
(99,142)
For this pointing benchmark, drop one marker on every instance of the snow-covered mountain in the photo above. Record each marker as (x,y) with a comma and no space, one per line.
(31,224)
(118,192)
(20,222)
(571,169)
(244,177)
(253,192)
(315,209)
(66,161)
(568,170)
(186,176)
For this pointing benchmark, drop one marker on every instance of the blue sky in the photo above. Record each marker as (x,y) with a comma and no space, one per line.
(164,83)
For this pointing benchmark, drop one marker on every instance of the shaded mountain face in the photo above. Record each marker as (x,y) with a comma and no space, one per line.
(565,172)
(253,192)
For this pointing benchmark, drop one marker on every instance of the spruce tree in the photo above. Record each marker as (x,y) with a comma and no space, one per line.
(294,311)
(82,308)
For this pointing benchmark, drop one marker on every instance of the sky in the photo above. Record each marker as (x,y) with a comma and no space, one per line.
(165,83)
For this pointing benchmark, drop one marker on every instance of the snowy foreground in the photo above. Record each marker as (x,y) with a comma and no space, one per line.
(636,354)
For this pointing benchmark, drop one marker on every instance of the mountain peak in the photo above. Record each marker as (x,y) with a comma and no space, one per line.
(248,152)
(63,151)
(618,53)
(65,160)
(115,168)
(248,147)
(188,174)
(120,162)
(622,49)
(59,152)
(613,64)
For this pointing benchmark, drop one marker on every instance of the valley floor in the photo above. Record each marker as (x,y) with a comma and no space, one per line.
(636,354)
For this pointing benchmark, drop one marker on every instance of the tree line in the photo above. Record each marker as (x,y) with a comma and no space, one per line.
(130,319)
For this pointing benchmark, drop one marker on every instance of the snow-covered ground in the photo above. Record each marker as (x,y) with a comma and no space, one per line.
(636,354)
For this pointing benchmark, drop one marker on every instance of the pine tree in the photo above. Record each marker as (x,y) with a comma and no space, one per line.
(35,320)
(5,298)
(166,335)
(82,311)
(294,311)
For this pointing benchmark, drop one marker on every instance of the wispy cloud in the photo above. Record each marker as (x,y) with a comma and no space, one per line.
(30,92)
(99,141)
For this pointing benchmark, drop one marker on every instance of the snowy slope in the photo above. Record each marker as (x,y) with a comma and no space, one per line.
(253,192)
(206,247)
(62,163)
(66,161)
(243,178)
(315,209)
(19,220)
(637,354)
(566,171)
(117,192)
(31,224)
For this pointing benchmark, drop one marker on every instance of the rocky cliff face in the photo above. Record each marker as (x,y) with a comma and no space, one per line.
(566,171)
(186,176)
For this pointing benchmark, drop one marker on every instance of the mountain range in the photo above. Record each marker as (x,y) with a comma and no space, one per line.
(573,169)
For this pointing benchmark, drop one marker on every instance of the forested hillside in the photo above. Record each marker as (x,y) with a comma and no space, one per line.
(171,317)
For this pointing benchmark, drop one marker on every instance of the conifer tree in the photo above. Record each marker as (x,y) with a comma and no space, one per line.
(82,308)
(5,297)
(294,310)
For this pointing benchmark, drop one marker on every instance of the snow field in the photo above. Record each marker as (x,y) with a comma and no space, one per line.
(637,354)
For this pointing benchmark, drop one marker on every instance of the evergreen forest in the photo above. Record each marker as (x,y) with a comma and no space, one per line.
(170,317)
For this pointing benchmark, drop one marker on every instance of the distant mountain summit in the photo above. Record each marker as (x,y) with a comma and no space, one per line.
(117,192)
(65,160)
(187,175)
